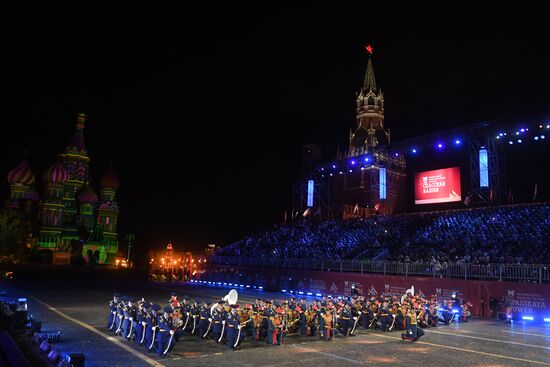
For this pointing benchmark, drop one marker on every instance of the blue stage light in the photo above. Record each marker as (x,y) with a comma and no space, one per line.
(231,284)
(353,162)
(240,285)
(300,292)
(309,293)
(519,141)
(219,283)
(547,319)
(224,283)
(414,150)
(522,130)
(283,290)
(334,166)
(517,132)
(367,159)
(457,142)
(396,154)
(322,169)
(543,137)
(261,287)
(536,138)
(290,291)
(330,175)
(529,318)
(440,146)
(350,171)
(247,286)
(500,134)
(318,295)
(510,142)
(498,137)
(548,126)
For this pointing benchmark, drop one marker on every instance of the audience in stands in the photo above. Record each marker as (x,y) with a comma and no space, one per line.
(516,234)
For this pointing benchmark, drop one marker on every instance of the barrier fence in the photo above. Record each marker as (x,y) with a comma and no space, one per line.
(501,272)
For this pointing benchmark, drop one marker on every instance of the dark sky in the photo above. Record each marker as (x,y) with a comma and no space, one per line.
(203,112)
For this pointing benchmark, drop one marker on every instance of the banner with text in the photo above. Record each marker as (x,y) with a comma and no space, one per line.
(437,186)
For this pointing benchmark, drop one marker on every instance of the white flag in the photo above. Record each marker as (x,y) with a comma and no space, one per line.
(356,209)
(536,193)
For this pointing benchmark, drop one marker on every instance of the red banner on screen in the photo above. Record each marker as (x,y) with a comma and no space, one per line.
(437,186)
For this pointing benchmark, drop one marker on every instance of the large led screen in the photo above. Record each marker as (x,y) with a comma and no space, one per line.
(437,186)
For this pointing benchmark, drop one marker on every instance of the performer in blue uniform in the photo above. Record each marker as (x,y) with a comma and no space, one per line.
(235,335)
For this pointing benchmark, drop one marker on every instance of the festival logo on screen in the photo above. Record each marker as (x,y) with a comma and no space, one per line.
(372,291)
(526,303)
(437,186)
(393,291)
(333,288)
(317,285)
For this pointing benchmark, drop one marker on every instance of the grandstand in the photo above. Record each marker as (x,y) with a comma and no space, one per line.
(510,234)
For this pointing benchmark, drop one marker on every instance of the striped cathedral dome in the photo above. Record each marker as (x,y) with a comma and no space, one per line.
(56,174)
(22,174)
(87,195)
(110,180)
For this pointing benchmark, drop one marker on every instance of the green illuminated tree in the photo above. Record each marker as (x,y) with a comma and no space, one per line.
(12,235)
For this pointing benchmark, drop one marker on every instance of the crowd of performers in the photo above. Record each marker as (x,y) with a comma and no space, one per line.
(158,329)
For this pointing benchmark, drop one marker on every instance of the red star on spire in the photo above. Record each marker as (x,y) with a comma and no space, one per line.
(369,49)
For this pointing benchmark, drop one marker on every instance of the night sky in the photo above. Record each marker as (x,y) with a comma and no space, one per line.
(203,112)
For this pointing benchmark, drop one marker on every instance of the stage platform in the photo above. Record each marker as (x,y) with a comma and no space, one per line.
(81,311)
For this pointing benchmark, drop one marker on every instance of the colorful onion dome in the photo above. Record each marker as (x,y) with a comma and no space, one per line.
(31,194)
(87,195)
(56,174)
(110,180)
(22,174)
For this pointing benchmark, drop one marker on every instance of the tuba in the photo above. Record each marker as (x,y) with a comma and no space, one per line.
(410,290)
(231,298)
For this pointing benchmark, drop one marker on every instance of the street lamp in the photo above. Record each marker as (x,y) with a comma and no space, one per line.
(130,238)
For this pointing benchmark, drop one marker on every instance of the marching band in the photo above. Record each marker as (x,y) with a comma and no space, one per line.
(224,321)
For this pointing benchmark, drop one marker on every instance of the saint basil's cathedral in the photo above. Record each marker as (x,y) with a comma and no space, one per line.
(69,214)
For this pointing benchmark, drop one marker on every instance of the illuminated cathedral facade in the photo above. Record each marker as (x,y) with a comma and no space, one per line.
(67,216)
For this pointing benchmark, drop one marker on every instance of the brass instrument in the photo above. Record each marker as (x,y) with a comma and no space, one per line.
(288,325)
(245,322)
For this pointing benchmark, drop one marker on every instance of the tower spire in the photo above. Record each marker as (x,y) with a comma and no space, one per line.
(370,82)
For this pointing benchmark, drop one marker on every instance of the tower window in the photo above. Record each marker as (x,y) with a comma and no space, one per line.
(370,101)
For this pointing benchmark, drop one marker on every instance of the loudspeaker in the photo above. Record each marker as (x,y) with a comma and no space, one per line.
(37,339)
(76,359)
(45,346)
(54,355)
